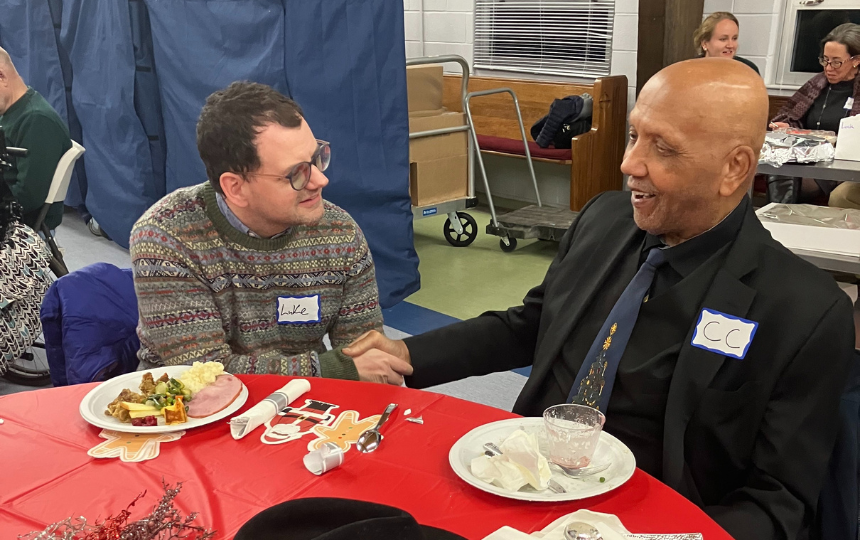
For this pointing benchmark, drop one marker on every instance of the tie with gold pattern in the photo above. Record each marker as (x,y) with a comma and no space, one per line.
(593,384)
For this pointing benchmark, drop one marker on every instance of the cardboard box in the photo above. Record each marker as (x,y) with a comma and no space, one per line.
(813,238)
(424,87)
(438,165)
(437,146)
(439,180)
(427,120)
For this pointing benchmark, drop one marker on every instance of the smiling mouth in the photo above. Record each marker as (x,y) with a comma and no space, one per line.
(311,199)
(639,196)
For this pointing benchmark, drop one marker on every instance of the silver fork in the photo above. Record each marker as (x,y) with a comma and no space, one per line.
(492,450)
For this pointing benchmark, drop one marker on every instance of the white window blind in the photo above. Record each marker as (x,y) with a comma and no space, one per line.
(556,37)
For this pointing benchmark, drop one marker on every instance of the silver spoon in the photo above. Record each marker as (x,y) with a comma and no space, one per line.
(577,530)
(369,440)
(584,471)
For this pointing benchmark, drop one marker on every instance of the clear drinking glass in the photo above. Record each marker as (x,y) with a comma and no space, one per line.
(572,432)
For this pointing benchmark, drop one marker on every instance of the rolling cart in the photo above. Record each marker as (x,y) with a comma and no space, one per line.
(460,228)
(533,221)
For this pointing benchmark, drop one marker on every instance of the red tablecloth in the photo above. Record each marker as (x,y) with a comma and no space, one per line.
(47,475)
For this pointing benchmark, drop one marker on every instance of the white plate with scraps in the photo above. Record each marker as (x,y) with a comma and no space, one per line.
(621,468)
(95,403)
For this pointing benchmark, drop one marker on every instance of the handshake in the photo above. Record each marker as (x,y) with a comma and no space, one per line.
(379,359)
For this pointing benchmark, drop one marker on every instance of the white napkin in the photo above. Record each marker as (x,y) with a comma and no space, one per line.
(265,410)
(521,463)
(610,528)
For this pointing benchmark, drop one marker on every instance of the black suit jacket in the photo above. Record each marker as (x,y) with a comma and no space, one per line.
(748,440)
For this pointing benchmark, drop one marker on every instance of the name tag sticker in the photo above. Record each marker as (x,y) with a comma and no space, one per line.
(849,104)
(298,309)
(723,334)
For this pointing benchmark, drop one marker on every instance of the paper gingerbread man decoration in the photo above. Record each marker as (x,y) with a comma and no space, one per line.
(132,447)
(343,432)
(295,422)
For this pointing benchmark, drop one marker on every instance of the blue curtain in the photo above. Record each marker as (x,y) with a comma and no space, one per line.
(345,66)
(202,46)
(132,76)
(97,37)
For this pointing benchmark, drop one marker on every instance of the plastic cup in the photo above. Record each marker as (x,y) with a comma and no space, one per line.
(324,459)
(572,432)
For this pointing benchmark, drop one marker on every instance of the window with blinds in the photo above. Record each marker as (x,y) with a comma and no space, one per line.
(555,37)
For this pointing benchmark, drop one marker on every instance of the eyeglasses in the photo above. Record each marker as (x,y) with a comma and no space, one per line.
(300,174)
(835,64)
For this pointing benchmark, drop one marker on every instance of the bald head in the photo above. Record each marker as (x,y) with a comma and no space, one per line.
(695,135)
(5,60)
(12,86)
(724,101)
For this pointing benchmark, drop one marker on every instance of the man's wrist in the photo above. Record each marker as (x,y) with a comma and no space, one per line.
(335,364)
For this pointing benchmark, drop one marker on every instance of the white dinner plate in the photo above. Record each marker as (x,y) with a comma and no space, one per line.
(470,446)
(95,403)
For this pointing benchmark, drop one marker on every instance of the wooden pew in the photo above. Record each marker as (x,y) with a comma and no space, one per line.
(594,157)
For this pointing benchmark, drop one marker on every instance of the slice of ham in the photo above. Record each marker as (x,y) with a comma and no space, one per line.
(215,397)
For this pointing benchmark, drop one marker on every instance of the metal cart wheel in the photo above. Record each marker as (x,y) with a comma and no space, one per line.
(510,246)
(468,230)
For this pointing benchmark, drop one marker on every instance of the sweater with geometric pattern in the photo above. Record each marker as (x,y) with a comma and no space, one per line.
(208,292)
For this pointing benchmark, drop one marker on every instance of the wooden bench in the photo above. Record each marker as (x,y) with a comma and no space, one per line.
(594,157)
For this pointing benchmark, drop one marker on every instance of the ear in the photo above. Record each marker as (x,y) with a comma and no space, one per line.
(739,167)
(234,187)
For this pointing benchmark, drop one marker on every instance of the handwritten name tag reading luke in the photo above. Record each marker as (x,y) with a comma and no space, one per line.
(298,309)
(723,334)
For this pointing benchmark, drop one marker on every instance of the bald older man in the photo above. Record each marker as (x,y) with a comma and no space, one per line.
(717,355)
(30,122)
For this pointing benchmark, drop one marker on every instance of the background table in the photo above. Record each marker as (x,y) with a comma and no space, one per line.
(48,476)
(841,170)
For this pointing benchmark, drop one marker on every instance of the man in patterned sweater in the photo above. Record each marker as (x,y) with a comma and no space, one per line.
(253,267)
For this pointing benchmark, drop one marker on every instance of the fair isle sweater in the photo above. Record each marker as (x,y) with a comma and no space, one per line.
(208,292)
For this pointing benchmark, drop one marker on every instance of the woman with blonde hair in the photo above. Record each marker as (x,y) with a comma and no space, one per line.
(717,37)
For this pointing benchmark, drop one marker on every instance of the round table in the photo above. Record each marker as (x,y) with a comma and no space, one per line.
(48,476)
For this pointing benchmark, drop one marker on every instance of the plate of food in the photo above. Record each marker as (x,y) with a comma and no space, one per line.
(620,464)
(165,399)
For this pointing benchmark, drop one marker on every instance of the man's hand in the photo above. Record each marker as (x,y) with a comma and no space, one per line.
(381,367)
(376,340)
(379,359)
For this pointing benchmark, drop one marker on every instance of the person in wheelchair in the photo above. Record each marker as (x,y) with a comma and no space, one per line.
(30,122)
(24,276)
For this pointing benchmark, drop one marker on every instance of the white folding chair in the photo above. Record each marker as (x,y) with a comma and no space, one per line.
(57,193)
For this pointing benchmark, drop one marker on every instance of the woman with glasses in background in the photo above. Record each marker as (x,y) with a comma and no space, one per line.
(822,103)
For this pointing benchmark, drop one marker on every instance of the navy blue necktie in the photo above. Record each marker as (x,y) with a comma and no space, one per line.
(593,384)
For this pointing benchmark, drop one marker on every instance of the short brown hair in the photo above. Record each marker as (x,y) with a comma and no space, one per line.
(847,34)
(706,30)
(231,120)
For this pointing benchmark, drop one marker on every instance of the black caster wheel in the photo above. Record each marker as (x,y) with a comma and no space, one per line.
(510,247)
(470,230)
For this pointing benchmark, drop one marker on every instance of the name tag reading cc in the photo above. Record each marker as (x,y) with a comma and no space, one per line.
(298,309)
(723,334)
